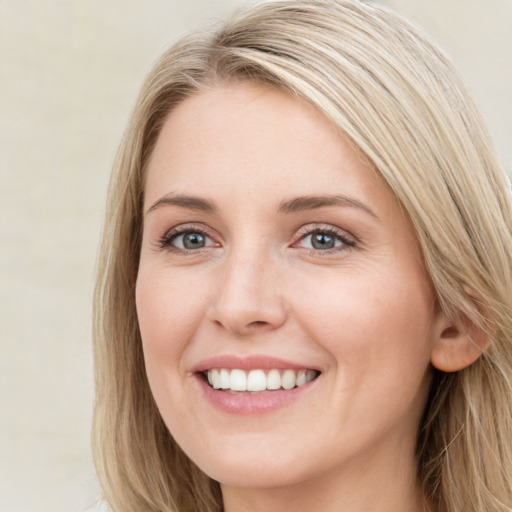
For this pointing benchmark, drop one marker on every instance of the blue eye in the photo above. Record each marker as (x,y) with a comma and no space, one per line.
(190,241)
(325,239)
(187,240)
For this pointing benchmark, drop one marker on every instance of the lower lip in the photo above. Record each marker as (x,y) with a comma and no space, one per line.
(247,404)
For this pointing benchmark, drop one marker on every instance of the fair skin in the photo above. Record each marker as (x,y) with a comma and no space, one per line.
(269,244)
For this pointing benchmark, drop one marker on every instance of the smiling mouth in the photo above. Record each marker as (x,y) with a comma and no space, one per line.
(256,381)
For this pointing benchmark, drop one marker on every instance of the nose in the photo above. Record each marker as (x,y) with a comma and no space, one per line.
(248,298)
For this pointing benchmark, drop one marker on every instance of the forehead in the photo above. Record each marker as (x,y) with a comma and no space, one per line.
(251,139)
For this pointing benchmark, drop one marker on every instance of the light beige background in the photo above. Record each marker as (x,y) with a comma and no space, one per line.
(69,73)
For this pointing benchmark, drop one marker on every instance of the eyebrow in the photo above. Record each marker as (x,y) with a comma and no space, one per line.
(299,204)
(190,202)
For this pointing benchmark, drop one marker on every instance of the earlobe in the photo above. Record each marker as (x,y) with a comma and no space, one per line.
(459,344)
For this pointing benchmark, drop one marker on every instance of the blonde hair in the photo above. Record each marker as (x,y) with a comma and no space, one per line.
(399,100)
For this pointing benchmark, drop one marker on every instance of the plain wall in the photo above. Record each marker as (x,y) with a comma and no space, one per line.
(69,74)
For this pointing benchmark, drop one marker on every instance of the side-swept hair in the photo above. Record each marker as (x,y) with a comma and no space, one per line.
(397,97)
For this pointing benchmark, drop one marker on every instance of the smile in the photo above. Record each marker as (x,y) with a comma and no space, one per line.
(258,380)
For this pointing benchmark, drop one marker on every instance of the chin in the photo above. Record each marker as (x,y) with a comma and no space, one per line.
(265,469)
(249,476)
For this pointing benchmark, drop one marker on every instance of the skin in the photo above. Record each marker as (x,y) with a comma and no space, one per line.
(364,313)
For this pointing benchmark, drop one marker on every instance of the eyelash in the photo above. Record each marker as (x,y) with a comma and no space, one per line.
(347,243)
(166,241)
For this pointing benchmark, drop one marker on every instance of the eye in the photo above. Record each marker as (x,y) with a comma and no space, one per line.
(187,239)
(190,241)
(324,239)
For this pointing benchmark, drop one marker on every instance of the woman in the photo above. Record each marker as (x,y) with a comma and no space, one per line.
(304,297)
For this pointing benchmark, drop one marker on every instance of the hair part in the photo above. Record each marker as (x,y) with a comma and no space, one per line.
(398,99)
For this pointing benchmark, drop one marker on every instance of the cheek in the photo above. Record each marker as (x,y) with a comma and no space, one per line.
(169,312)
(377,328)
(378,335)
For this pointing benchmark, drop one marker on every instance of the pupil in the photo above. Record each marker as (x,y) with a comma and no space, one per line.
(322,241)
(193,241)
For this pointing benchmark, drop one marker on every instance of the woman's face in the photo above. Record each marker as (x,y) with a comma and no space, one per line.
(274,257)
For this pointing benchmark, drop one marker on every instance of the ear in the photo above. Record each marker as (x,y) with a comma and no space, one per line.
(459,343)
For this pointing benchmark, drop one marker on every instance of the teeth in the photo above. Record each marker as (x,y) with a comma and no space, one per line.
(213,379)
(224,379)
(258,380)
(288,379)
(238,380)
(301,378)
(273,380)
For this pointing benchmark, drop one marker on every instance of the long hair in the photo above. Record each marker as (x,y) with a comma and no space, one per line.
(397,97)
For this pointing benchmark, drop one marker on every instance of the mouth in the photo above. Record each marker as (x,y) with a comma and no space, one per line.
(257,381)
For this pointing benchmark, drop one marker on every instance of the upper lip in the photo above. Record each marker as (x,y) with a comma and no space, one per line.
(251,362)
